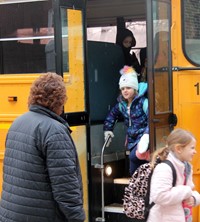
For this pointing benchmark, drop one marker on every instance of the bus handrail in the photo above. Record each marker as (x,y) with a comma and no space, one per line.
(101,166)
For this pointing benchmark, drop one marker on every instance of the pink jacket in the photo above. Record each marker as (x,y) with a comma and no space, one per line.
(168,199)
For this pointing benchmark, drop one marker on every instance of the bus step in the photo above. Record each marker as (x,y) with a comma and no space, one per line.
(114,213)
(124,180)
(114,208)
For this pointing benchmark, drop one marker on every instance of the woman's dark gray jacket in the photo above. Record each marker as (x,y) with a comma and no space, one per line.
(42,179)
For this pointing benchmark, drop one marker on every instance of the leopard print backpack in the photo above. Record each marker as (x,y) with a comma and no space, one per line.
(136,192)
(136,195)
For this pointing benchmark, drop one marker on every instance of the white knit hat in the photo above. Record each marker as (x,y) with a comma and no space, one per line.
(128,78)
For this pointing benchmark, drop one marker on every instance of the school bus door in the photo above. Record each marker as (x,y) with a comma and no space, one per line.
(70,63)
(159,69)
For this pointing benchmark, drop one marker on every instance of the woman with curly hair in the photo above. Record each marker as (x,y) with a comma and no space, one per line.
(41,175)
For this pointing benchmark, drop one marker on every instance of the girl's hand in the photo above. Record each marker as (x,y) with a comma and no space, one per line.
(189,201)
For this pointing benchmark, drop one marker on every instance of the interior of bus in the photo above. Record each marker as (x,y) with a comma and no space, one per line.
(102,35)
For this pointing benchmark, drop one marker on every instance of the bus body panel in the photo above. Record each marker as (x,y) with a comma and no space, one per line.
(186,97)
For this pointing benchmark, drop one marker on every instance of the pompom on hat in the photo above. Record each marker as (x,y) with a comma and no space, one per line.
(128,78)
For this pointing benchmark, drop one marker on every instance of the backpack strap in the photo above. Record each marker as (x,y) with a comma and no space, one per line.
(173,171)
(148,205)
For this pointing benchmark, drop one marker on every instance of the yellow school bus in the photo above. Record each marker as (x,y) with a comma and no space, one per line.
(76,39)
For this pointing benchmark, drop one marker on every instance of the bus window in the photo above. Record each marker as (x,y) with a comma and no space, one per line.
(191,30)
(161,57)
(23,39)
(50,46)
(108,34)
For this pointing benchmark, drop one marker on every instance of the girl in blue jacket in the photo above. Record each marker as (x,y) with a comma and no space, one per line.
(133,106)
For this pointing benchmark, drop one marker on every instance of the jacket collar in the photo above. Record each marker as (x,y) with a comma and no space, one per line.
(184,166)
(51,114)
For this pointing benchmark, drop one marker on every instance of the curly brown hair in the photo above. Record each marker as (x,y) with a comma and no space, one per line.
(49,91)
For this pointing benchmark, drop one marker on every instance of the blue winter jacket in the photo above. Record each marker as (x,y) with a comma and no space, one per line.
(136,122)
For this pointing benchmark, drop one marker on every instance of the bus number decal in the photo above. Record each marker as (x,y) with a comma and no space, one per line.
(197,85)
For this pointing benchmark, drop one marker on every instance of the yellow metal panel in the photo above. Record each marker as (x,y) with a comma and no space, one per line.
(196,211)
(4,126)
(17,85)
(75,86)
(79,137)
(76,90)
(1,172)
(187,108)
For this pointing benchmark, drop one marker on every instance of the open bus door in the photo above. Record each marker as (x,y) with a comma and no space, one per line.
(159,69)
(69,61)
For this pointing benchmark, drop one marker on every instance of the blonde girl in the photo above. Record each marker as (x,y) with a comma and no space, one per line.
(174,203)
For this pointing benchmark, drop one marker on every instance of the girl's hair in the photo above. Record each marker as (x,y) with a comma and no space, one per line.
(179,137)
(48,91)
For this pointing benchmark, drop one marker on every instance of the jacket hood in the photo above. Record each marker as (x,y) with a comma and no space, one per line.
(142,88)
(123,34)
